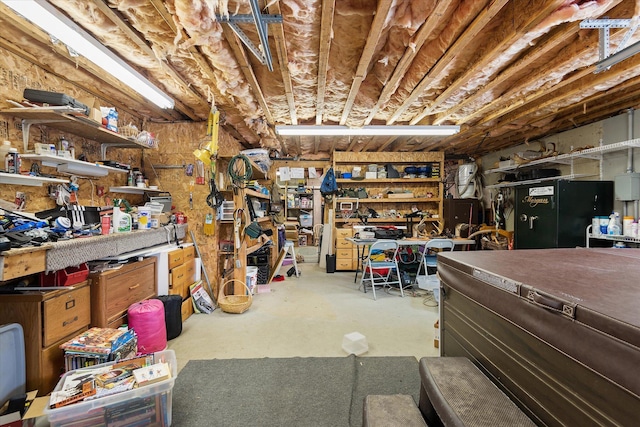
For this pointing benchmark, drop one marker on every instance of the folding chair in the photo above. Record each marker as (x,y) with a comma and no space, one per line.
(380,265)
(429,258)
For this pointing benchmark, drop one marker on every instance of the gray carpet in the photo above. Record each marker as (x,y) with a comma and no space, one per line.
(313,391)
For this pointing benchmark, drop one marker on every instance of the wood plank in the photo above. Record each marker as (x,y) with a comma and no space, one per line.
(375,32)
(471,32)
(433,22)
(22,262)
(326,29)
(283,61)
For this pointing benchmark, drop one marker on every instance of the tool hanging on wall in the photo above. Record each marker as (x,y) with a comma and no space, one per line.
(192,184)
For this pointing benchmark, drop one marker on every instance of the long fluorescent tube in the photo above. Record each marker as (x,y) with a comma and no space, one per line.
(45,16)
(338,130)
(625,53)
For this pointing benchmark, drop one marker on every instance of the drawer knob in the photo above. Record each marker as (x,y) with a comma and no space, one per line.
(134,286)
(68,322)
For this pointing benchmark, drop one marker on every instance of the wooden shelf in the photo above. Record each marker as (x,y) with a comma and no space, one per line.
(73,166)
(33,181)
(133,190)
(72,121)
(383,220)
(256,194)
(403,200)
(387,180)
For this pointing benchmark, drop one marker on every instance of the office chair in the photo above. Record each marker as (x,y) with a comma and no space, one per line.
(380,265)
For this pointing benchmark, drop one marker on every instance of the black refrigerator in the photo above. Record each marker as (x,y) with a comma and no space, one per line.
(556,214)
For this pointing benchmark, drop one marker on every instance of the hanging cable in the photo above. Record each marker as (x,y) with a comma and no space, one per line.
(240,170)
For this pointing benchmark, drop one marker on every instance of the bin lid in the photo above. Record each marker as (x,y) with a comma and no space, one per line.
(13,375)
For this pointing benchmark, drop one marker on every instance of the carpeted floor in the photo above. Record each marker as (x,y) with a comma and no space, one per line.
(312,391)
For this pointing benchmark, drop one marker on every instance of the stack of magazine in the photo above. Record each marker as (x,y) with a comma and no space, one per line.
(99,345)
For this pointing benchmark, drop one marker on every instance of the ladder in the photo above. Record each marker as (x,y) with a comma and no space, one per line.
(286,250)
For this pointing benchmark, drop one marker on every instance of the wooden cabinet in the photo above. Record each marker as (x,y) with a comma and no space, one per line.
(112,292)
(346,253)
(182,274)
(48,319)
(388,199)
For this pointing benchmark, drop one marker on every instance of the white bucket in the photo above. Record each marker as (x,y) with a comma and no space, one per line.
(144,218)
(252,277)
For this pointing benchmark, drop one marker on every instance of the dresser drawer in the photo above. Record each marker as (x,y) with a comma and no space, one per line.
(187,309)
(176,257)
(344,244)
(342,233)
(124,290)
(66,314)
(179,282)
(191,271)
(344,253)
(188,253)
(344,264)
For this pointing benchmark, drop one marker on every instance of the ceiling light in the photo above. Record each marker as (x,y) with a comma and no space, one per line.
(338,130)
(45,16)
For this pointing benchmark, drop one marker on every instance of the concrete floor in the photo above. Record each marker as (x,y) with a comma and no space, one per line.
(308,316)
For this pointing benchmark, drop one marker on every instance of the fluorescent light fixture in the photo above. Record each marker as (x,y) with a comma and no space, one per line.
(625,53)
(338,130)
(45,16)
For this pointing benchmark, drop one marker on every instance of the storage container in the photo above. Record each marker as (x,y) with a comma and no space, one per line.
(153,400)
(355,343)
(67,277)
(306,220)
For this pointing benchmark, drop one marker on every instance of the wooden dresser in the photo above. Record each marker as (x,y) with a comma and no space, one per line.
(112,292)
(346,252)
(182,274)
(48,318)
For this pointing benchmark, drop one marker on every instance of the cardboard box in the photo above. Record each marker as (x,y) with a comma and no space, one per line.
(35,408)
(94,108)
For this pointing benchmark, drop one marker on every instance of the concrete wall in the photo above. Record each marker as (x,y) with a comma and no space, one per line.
(613,130)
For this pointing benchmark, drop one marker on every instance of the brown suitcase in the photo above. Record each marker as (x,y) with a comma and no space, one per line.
(557,329)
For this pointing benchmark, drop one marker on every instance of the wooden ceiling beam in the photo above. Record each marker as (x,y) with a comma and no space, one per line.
(326,31)
(386,143)
(530,58)
(519,31)
(247,70)
(375,32)
(435,19)
(283,60)
(470,33)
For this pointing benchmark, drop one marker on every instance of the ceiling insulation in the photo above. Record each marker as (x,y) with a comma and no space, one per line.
(506,71)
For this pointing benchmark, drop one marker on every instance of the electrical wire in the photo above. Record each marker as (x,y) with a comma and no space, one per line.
(240,170)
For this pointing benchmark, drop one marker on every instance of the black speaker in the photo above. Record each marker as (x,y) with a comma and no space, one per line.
(172,314)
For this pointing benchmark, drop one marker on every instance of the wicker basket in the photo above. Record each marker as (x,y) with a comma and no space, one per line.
(234,303)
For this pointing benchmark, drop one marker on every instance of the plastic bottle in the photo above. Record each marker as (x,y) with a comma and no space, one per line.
(121,221)
(634,230)
(5,148)
(613,229)
(626,226)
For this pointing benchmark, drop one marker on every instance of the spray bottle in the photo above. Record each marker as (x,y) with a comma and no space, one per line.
(613,229)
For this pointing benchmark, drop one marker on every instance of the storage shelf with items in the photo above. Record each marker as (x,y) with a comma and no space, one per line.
(388,188)
(73,121)
(610,238)
(66,165)
(249,195)
(567,159)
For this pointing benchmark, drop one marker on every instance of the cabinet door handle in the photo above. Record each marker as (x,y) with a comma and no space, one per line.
(68,322)
(134,286)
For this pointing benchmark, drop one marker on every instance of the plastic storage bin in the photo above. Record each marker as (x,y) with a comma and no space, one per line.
(67,277)
(153,399)
(355,343)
